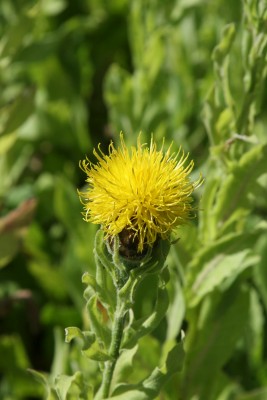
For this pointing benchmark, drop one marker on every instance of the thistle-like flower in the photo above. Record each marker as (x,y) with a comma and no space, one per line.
(142,194)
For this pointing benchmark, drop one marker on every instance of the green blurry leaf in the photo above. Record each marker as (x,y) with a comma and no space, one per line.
(43,380)
(224,120)
(213,343)
(224,260)
(124,365)
(240,182)
(217,270)
(145,326)
(38,51)
(9,246)
(207,221)
(260,270)
(106,296)
(70,387)
(53,7)
(175,312)
(98,321)
(14,32)
(67,206)
(54,314)
(6,142)
(180,7)
(155,71)
(49,278)
(18,112)
(223,48)
(151,386)
(40,377)
(15,379)
(255,332)
(258,394)
(13,354)
(12,167)
(91,347)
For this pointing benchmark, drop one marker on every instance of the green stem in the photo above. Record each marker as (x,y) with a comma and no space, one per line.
(114,350)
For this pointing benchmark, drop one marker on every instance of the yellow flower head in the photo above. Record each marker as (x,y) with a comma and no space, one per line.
(144,191)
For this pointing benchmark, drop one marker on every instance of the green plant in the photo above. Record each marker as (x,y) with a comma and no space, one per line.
(194,72)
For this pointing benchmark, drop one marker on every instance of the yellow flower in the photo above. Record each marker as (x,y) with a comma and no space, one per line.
(144,191)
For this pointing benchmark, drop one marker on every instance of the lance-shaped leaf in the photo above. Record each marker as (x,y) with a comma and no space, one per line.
(97,321)
(220,324)
(102,253)
(124,365)
(73,387)
(143,327)
(93,288)
(150,387)
(240,182)
(224,259)
(43,379)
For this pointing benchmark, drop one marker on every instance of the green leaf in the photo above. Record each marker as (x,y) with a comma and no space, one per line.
(40,377)
(240,182)
(92,288)
(220,261)
(73,387)
(182,6)
(141,328)
(151,386)
(13,354)
(53,7)
(9,246)
(91,347)
(18,112)
(61,352)
(102,254)
(49,278)
(254,340)
(224,120)
(259,271)
(223,48)
(73,333)
(6,142)
(257,394)
(124,365)
(16,381)
(96,352)
(12,167)
(133,394)
(14,33)
(176,311)
(43,379)
(98,323)
(54,314)
(64,384)
(38,51)
(219,325)
(218,270)
(67,205)
(106,295)
(207,221)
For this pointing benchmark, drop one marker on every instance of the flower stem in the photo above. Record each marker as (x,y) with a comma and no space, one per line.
(114,350)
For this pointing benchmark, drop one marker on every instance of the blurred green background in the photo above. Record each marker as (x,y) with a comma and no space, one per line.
(74,74)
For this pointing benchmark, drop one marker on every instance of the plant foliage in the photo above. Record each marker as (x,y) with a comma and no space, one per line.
(74,74)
